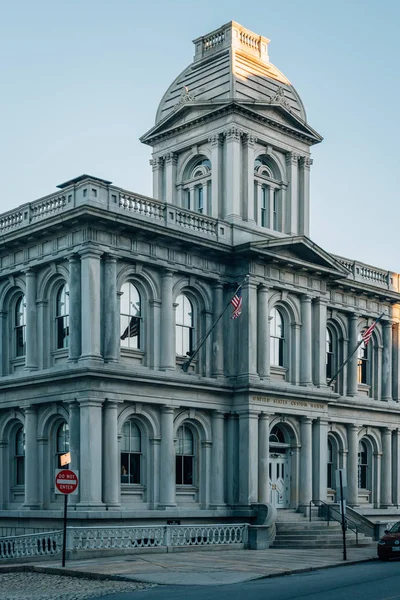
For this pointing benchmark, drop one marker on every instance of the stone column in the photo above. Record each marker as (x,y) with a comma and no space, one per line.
(111,472)
(157,166)
(31,359)
(352,464)
(74,283)
(352,388)
(3,488)
(387,361)
(31,459)
(305,342)
(319,353)
(233,184)
(91,299)
(386,489)
(216,174)
(167,463)
(167,333)
(263,366)
(396,467)
(171,160)
(304,196)
(218,332)
(75,443)
(91,453)
(396,362)
(155,328)
(248,458)
(376,487)
(320,459)
(271,205)
(4,342)
(249,144)
(248,331)
(218,459)
(111,310)
(292,195)
(263,459)
(232,469)
(305,494)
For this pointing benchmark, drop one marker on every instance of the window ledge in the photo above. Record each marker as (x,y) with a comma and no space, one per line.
(133,487)
(180,487)
(60,352)
(132,351)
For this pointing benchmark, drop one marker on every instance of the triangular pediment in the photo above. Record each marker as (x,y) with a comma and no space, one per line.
(299,252)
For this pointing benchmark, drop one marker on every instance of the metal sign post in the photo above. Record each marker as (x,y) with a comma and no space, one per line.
(66,483)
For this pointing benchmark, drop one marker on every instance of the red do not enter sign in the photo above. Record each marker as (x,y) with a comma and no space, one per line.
(66,481)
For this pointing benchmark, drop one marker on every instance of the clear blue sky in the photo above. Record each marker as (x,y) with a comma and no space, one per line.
(81,81)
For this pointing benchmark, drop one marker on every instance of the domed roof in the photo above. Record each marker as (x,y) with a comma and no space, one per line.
(231,64)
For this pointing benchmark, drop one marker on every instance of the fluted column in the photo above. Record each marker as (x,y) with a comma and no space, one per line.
(218,332)
(386,489)
(75,443)
(263,342)
(91,453)
(320,459)
(31,359)
(319,353)
(74,283)
(305,461)
(387,361)
(167,323)
(352,464)
(305,341)
(167,462)
(157,167)
(352,388)
(111,479)
(248,458)
(217,459)
(91,298)
(263,459)
(111,310)
(31,459)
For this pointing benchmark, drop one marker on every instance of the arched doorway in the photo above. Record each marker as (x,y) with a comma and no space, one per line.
(279,466)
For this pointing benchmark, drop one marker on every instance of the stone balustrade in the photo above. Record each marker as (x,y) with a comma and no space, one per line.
(33,544)
(370,275)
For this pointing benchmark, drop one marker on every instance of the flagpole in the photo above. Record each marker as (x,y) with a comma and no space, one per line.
(186,364)
(351,355)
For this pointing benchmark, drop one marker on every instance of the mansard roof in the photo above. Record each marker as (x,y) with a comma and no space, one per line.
(298,252)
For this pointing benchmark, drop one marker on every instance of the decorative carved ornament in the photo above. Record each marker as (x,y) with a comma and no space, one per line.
(280,98)
(185,97)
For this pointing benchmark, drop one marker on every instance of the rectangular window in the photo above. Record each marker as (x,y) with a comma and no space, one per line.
(20,341)
(20,470)
(130,467)
(62,332)
(184,470)
(200,199)
(183,340)
(264,205)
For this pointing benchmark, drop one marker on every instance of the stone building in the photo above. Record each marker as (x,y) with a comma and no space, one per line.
(105,293)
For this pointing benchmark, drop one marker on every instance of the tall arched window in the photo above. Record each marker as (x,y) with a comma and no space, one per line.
(19,457)
(197,185)
(131,451)
(268,193)
(362,363)
(277,338)
(184,326)
(62,317)
(184,450)
(131,317)
(62,442)
(20,326)
(362,465)
(330,363)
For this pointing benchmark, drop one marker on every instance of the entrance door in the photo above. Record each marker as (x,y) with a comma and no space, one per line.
(279,480)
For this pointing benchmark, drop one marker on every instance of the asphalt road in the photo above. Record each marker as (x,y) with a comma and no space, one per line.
(366,581)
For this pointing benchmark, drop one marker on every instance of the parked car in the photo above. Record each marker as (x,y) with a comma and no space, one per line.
(389,544)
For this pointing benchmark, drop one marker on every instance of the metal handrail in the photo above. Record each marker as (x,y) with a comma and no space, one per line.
(334,514)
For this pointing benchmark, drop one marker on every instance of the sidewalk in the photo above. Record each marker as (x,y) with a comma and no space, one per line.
(206,568)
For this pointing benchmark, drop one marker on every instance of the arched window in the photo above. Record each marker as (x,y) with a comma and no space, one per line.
(330,466)
(197,185)
(362,363)
(362,466)
(131,451)
(19,457)
(62,442)
(268,193)
(62,317)
(277,436)
(131,317)
(184,450)
(19,326)
(184,326)
(330,363)
(277,338)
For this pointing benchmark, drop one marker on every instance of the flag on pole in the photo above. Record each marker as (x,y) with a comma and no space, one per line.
(133,328)
(237,302)
(366,334)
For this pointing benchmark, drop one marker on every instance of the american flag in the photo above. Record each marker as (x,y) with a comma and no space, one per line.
(237,302)
(366,334)
(133,328)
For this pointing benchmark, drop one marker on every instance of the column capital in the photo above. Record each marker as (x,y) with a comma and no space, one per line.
(264,416)
(30,410)
(216,140)
(90,252)
(84,402)
(110,258)
(292,158)
(352,427)
(74,258)
(112,404)
(218,414)
(167,409)
(30,272)
(263,288)
(306,420)
(306,298)
(387,430)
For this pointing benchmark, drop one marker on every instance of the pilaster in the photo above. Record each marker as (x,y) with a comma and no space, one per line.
(352,464)
(233,172)
(167,359)
(157,165)
(352,388)
(263,360)
(74,283)
(248,332)
(386,489)
(167,462)
(305,341)
(218,332)
(111,310)
(31,459)
(263,458)
(217,460)
(292,195)
(91,453)
(248,458)
(31,359)
(305,495)
(91,299)
(75,443)
(111,471)
(170,162)
(216,174)
(304,195)
(249,209)
(320,459)
(319,350)
(387,361)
